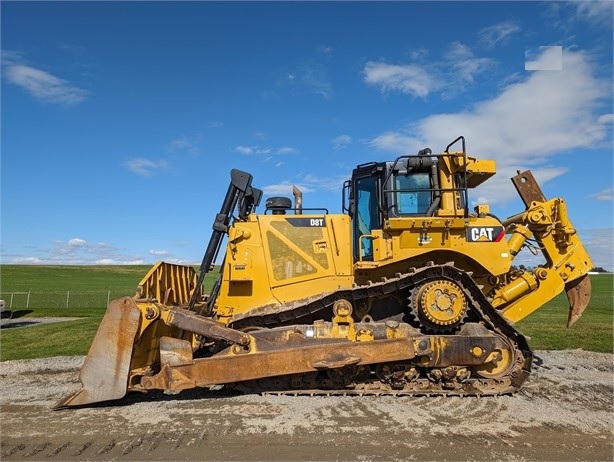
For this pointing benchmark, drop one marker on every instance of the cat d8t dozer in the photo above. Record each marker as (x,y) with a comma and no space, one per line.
(406,291)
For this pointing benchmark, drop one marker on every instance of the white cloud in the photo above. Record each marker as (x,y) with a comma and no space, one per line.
(159,253)
(606,119)
(313,75)
(38,83)
(530,121)
(77,251)
(599,244)
(281,189)
(341,142)
(183,144)
(252,150)
(286,150)
(449,75)
(595,11)
(396,142)
(580,13)
(306,183)
(316,183)
(179,143)
(111,261)
(310,76)
(145,167)
(28,261)
(246,150)
(544,58)
(498,34)
(409,78)
(605,195)
(259,150)
(418,54)
(325,49)
(465,64)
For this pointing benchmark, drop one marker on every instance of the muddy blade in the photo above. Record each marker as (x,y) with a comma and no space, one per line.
(578,294)
(104,374)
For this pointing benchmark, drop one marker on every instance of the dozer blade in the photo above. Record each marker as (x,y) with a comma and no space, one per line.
(579,294)
(104,374)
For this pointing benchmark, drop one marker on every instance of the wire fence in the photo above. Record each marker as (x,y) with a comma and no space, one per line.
(59,299)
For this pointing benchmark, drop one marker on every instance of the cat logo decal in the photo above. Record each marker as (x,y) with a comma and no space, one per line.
(485,233)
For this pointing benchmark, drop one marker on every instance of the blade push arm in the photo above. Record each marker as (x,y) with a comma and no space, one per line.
(567,261)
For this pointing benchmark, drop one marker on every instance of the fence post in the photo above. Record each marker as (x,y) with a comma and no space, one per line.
(108,296)
(28,300)
(67,297)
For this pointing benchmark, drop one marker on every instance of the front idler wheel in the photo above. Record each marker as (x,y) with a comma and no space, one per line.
(498,364)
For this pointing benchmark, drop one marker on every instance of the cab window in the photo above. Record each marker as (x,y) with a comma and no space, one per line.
(413,193)
(366,217)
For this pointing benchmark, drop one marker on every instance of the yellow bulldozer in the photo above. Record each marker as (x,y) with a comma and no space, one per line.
(406,292)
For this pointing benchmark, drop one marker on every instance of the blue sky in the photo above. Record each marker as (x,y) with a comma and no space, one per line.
(122,120)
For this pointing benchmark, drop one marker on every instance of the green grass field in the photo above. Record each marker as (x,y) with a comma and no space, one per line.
(547,329)
(85,290)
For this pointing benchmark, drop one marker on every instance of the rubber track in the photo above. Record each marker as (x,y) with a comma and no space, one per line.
(297,311)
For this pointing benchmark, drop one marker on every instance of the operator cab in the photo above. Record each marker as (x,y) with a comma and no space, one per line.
(407,187)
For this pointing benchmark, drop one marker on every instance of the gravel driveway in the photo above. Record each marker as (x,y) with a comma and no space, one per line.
(564,412)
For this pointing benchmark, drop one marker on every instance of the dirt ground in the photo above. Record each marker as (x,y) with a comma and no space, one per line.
(564,412)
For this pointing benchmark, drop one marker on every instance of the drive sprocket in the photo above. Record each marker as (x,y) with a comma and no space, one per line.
(439,305)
